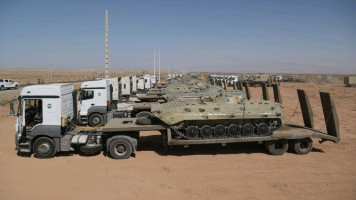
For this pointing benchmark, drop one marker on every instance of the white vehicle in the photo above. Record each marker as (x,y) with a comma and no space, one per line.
(141,84)
(278,79)
(153,81)
(115,89)
(233,79)
(133,86)
(8,84)
(147,79)
(94,102)
(125,88)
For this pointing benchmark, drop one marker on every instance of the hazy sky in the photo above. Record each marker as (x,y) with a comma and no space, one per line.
(299,36)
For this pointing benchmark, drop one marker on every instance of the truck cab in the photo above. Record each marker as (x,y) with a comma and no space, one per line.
(94,102)
(8,84)
(147,80)
(44,110)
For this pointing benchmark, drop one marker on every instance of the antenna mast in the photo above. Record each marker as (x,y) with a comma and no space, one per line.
(107,44)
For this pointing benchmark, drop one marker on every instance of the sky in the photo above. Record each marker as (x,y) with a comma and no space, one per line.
(276,36)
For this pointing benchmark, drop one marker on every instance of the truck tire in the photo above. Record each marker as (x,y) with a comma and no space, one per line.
(2,88)
(277,147)
(96,119)
(144,114)
(302,146)
(44,147)
(120,149)
(143,121)
(16,87)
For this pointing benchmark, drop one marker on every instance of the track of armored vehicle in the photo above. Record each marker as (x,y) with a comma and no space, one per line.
(225,117)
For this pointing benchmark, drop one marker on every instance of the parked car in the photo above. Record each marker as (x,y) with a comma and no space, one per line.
(8,84)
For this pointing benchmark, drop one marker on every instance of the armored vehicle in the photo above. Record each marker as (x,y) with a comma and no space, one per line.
(211,92)
(226,116)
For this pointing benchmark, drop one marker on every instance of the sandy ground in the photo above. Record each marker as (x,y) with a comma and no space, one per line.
(237,171)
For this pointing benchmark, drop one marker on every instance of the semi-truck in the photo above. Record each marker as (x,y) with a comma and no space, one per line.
(45,125)
(95,102)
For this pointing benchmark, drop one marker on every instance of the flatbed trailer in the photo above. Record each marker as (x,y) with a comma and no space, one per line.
(288,133)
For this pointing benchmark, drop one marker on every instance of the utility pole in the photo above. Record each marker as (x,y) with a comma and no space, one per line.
(159,65)
(51,71)
(107,44)
(154,63)
(169,66)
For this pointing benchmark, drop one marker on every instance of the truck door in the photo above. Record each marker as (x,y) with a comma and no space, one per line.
(85,101)
(20,118)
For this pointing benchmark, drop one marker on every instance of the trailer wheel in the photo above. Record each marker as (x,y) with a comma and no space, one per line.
(44,148)
(143,121)
(144,114)
(276,147)
(302,146)
(96,120)
(120,149)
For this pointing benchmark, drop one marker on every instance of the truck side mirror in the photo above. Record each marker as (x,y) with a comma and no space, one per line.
(12,107)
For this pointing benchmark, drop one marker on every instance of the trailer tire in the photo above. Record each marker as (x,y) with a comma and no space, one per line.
(143,121)
(276,147)
(96,119)
(144,114)
(302,146)
(44,147)
(120,149)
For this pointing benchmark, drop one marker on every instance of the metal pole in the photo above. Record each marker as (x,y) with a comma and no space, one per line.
(154,63)
(107,45)
(159,65)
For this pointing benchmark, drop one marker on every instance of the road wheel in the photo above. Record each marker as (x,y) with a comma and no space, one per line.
(120,149)
(16,87)
(44,148)
(206,131)
(302,146)
(276,147)
(96,120)
(219,130)
(2,88)
(192,132)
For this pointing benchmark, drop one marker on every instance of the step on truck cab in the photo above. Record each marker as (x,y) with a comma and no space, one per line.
(44,111)
(95,102)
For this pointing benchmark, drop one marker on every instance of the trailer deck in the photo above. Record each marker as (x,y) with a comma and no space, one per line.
(287,131)
(129,124)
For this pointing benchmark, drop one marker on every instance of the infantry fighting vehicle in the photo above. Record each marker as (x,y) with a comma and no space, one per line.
(226,116)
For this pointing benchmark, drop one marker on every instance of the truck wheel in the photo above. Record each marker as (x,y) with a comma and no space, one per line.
(2,88)
(120,149)
(96,120)
(302,146)
(144,114)
(143,121)
(276,147)
(44,148)
(16,87)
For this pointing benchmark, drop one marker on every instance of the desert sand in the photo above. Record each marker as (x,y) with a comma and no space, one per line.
(237,171)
